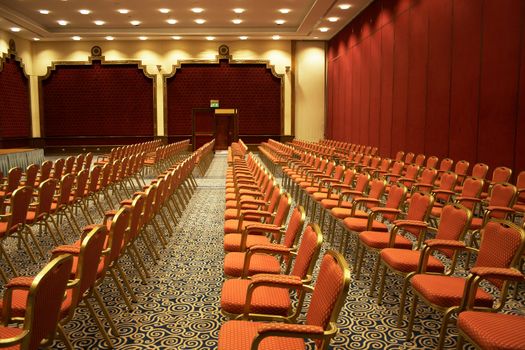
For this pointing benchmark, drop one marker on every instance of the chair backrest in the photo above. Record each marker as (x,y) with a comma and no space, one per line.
(117,234)
(472,188)
(480,170)
(397,168)
(432,162)
(409,158)
(501,174)
(44,300)
(94,175)
(446,164)
(283,208)
(58,167)
(88,160)
(377,189)
(46,190)
(419,209)
(453,224)
(79,162)
(448,183)
(31,174)
(80,188)
(68,166)
(396,197)
(385,164)
(420,159)
(399,156)
(349,176)
(427,177)
(330,291)
(274,199)
(106,173)
(137,206)
(520,185)
(114,171)
(412,172)
(45,170)
(295,226)
(13,179)
(66,186)
(362,181)
(20,200)
(461,169)
(502,195)
(501,246)
(308,252)
(338,172)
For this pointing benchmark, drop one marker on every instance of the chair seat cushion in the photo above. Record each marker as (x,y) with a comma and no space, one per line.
(446,291)
(232,225)
(493,331)
(359,224)
(476,223)
(265,300)
(259,263)
(238,335)
(232,241)
(343,211)
(10,332)
(380,240)
(406,261)
(231,213)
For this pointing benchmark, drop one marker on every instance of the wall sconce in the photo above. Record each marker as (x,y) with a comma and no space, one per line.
(287,69)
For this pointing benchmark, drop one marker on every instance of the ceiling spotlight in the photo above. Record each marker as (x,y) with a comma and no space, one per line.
(200,21)
(279,21)
(171,21)
(135,23)
(244,37)
(84,12)
(62,22)
(333,19)
(143,37)
(164,10)
(109,37)
(44,12)
(238,10)
(276,37)
(99,22)
(284,11)
(36,39)
(15,29)
(344,6)
(176,37)
(123,11)
(237,21)
(324,29)
(197,10)
(210,38)
(76,38)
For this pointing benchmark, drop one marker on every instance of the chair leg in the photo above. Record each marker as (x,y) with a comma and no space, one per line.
(99,324)
(374,278)
(126,282)
(64,337)
(120,289)
(8,260)
(105,311)
(402,299)
(29,232)
(444,326)
(26,245)
(166,223)
(412,316)
(460,342)
(158,232)
(60,234)
(381,283)
(138,263)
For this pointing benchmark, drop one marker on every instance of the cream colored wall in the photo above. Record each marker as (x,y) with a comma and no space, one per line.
(309,90)
(167,54)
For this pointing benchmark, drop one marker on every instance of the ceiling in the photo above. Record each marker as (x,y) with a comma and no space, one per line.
(258,21)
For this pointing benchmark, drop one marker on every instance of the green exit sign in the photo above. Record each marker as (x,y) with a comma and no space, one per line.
(214,103)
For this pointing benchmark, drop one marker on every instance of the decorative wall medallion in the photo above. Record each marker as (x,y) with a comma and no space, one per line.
(96,51)
(224,50)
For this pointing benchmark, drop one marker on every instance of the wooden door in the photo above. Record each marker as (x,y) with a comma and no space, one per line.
(223,131)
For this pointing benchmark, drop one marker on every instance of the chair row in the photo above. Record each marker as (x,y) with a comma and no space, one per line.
(93,257)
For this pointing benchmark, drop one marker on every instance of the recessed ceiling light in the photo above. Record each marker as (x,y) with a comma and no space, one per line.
(324,29)
(244,37)
(333,19)
(344,6)
(109,37)
(76,38)
(135,23)
(143,37)
(171,21)
(276,37)
(62,22)
(176,37)
(200,21)
(238,10)
(284,11)
(197,10)
(237,21)
(36,39)
(210,38)
(44,12)
(316,37)
(164,10)
(84,12)
(123,11)
(15,29)
(279,21)
(99,22)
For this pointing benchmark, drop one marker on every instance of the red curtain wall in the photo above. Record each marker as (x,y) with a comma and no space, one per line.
(439,77)
(15,110)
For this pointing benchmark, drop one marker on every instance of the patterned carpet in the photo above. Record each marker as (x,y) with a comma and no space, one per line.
(179,307)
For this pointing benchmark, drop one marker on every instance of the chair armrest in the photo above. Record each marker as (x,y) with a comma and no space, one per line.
(68,249)
(342,186)
(286,329)
(126,202)
(357,201)
(468,199)
(260,213)
(22,282)
(263,228)
(438,191)
(499,209)
(383,210)
(289,281)
(410,223)
(444,243)
(420,185)
(269,249)
(510,274)
(242,202)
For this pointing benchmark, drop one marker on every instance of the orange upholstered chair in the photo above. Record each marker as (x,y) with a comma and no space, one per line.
(413,223)
(499,175)
(44,172)
(263,259)
(29,177)
(519,206)
(62,201)
(333,193)
(43,295)
(497,257)
(258,295)
(321,319)
(453,225)
(8,185)
(502,197)
(432,162)
(487,330)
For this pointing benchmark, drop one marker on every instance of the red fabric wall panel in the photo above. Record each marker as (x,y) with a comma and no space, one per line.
(251,88)
(328,134)
(336,102)
(346,88)
(465,72)
(354,108)
(499,81)
(374,125)
(98,100)
(417,79)
(387,89)
(519,150)
(364,111)
(15,111)
(438,79)
(400,95)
